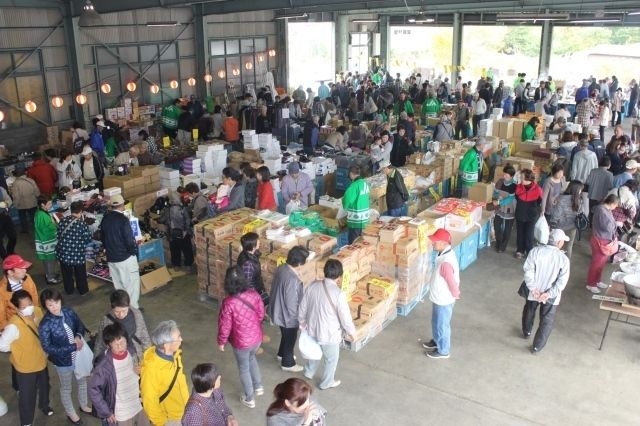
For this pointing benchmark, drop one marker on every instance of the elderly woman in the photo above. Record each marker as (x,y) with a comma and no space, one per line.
(293,405)
(286,293)
(73,236)
(568,206)
(240,323)
(604,241)
(27,357)
(625,213)
(207,400)
(61,334)
(233,178)
(113,385)
(296,186)
(128,158)
(129,318)
(163,385)
(46,238)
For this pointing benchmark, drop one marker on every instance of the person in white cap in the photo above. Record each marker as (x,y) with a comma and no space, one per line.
(121,249)
(92,170)
(546,273)
(631,167)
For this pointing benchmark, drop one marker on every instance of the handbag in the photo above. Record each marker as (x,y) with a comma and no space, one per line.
(608,249)
(582,224)
(309,347)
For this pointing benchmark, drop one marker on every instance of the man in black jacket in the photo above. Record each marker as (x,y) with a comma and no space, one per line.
(121,249)
(397,193)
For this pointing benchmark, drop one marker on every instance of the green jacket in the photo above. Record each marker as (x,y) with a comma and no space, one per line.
(356,203)
(469,168)
(528,133)
(406,107)
(431,107)
(46,238)
(170,115)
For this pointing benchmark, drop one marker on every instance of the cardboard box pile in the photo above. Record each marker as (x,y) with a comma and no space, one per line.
(140,181)
(460,215)
(372,304)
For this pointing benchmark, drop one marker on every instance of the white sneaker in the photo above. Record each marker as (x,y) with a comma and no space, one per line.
(295,358)
(293,369)
(250,404)
(260,391)
(335,384)
(594,289)
(602,285)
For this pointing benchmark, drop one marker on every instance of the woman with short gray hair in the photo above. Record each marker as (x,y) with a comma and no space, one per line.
(163,385)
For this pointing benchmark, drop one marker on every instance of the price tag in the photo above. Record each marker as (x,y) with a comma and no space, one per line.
(346,281)
(166,142)
(195,134)
(281,261)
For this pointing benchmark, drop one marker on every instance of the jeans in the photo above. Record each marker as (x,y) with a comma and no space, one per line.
(180,247)
(397,212)
(354,233)
(441,327)
(330,356)
(249,370)
(126,276)
(502,228)
(79,272)
(547,317)
(31,385)
(287,345)
(524,236)
(66,376)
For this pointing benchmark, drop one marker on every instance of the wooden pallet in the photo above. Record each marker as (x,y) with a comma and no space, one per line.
(361,343)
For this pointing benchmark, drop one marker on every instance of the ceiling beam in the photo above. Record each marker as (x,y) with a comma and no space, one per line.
(49,4)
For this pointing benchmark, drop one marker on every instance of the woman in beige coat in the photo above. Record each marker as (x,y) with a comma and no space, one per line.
(24,192)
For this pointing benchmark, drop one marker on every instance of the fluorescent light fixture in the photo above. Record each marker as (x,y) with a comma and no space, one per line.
(420,20)
(594,20)
(634,13)
(299,15)
(518,17)
(163,24)
(365,21)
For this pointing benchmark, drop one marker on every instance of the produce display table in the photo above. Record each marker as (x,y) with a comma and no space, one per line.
(618,310)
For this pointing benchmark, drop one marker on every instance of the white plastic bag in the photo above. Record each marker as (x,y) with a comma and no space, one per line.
(292,206)
(309,348)
(541,230)
(84,361)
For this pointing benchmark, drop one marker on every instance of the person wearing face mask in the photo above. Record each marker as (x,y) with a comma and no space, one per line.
(73,236)
(15,278)
(61,334)
(129,318)
(20,337)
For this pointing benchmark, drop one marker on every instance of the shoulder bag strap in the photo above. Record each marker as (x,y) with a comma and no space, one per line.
(67,228)
(246,303)
(35,333)
(134,337)
(173,382)
(333,305)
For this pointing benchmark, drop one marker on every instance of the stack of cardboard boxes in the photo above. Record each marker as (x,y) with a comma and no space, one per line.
(140,181)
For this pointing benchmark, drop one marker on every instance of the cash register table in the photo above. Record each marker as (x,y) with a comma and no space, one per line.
(618,310)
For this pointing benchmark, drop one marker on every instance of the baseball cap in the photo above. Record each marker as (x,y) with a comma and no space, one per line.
(117,200)
(384,164)
(15,261)
(86,150)
(557,235)
(631,164)
(441,235)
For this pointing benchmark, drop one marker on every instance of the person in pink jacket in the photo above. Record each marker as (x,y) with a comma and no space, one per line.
(240,323)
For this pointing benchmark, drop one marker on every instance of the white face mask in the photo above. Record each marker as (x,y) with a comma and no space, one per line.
(28,311)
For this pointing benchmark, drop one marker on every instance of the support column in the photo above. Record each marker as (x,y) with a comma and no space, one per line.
(281,72)
(342,42)
(384,41)
(545,48)
(201,49)
(76,79)
(456,52)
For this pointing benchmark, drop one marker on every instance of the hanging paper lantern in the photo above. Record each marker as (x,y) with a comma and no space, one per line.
(208,78)
(222,74)
(248,65)
(1,116)
(173,84)
(30,106)
(131,86)
(272,52)
(105,88)
(155,88)
(57,101)
(260,58)
(81,99)
(236,71)
(191,81)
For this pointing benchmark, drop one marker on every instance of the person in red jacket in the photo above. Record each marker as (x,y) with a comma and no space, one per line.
(44,174)
(240,323)
(528,199)
(266,199)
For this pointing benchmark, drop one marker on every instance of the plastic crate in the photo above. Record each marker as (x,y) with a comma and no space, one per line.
(343,238)
(484,236)
(468,251)
(152,250)
(342,179)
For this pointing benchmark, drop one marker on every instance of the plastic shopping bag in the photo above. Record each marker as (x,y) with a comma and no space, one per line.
(309,348)
(541,230)
(84,361)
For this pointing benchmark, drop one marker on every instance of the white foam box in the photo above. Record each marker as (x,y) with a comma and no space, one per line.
(248,132)
(168,173)
(485,127)
(110,192)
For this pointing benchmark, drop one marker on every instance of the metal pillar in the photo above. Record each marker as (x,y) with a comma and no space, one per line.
(201,49)
(456,53)
(342,42)
(545,48)
(76,78)
(281,71)
(384,41)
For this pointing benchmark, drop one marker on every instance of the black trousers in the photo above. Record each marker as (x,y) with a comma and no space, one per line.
(77,273)
(32,385)
(476,123)
(353,234)
(525,236)
(288,338)
(461,130)
(547,317)
(9,231)
(180,247)
(517,106)
(26,219)
(502,228)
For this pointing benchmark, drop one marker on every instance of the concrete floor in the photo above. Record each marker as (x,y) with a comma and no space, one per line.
(490,379)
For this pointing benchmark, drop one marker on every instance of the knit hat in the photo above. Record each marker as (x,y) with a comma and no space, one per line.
(293,168)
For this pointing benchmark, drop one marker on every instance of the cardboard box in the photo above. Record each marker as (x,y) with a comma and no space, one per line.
(482,192)
(154,279)
(504,129)
(329,216)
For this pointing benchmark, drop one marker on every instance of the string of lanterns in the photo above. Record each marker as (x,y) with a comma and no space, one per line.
(57,101)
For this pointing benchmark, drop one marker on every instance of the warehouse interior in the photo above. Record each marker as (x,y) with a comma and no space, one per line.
(66,61)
